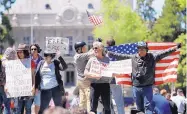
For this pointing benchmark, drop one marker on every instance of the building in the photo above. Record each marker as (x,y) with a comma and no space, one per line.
(39,19)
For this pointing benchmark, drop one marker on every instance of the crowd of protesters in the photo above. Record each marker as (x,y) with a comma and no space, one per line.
(47,83)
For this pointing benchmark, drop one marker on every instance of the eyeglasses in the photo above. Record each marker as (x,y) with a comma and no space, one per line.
(95,48)
(33,49)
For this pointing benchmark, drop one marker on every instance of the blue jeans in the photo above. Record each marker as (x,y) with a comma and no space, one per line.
(4,100)
(118,97)
(24,103)
(143,97)
(46,96)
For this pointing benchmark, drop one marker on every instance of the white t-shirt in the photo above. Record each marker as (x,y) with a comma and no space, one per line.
(180,102)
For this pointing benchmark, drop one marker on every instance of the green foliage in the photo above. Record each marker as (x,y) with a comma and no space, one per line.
(6,23)
(182,63)
(3,32)
(120,23)
(182,3)
(168,26)
(5,5)
(146,12)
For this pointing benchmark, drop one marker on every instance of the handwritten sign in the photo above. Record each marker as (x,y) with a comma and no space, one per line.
(55,44)
(18,78)
(107,70)
(118,67)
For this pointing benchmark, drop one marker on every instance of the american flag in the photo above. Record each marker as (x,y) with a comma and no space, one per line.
(166,68)
(94,19)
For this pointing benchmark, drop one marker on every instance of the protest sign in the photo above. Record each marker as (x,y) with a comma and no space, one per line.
(18,78)
(95,68)
(55,44)
(118,67)
(107,70)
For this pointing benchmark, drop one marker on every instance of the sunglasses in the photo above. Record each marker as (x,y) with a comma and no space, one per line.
(95,48)
(33,49)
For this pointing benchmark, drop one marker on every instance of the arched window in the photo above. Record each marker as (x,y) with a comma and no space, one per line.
(70,75)
(90,6)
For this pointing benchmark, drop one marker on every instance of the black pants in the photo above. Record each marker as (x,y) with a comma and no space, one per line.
(103,90)
(46,96)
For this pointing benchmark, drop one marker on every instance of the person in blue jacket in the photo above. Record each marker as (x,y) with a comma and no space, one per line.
(160,103)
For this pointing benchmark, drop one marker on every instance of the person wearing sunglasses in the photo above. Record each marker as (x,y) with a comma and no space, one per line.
(81,58)
(36,58)
(100,85)
(48,80)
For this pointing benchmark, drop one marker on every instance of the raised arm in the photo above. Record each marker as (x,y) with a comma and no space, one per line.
(119,56)
(163,54)
(63,66)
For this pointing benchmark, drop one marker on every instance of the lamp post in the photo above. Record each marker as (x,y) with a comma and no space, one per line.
(31,21)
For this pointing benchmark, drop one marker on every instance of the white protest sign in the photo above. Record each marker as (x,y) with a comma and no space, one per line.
(118,67)
(18,78)
(95,68)
(55,44)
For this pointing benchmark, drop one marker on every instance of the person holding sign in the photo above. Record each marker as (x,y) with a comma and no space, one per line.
(23,55)
(10,54)
(100,85)
(36,58)
(48,80)
(143,74)
(81,58)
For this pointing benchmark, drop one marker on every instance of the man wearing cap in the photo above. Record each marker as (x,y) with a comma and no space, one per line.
(81,58)
(143,73)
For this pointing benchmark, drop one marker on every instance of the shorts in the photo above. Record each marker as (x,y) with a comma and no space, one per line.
(37,99)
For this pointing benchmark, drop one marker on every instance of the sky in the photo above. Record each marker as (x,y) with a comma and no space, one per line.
(157,5)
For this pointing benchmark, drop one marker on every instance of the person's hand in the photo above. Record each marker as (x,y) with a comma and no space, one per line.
(6,90)
(179,45)
(97,77)
(33,90)
(58,54)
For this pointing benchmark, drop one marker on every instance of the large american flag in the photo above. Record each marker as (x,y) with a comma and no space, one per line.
(94,19)
(166,68)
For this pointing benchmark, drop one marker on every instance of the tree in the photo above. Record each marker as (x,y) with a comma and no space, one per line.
(5,5)
(120,23)
(168,26)
(147,12)
(8,28)
(3,32)
(182,63)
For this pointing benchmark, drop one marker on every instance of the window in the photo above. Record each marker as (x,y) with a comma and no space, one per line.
(90,42)
(26,40)
(70,78)
(70,75)
(47,6)
(90,6)
(70,46)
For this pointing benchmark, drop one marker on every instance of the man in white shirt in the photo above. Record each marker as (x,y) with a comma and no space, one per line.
(179,100)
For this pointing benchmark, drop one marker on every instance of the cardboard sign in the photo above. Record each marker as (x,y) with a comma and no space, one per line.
(118,67)
(107,70)
(55,44)
(18,78)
